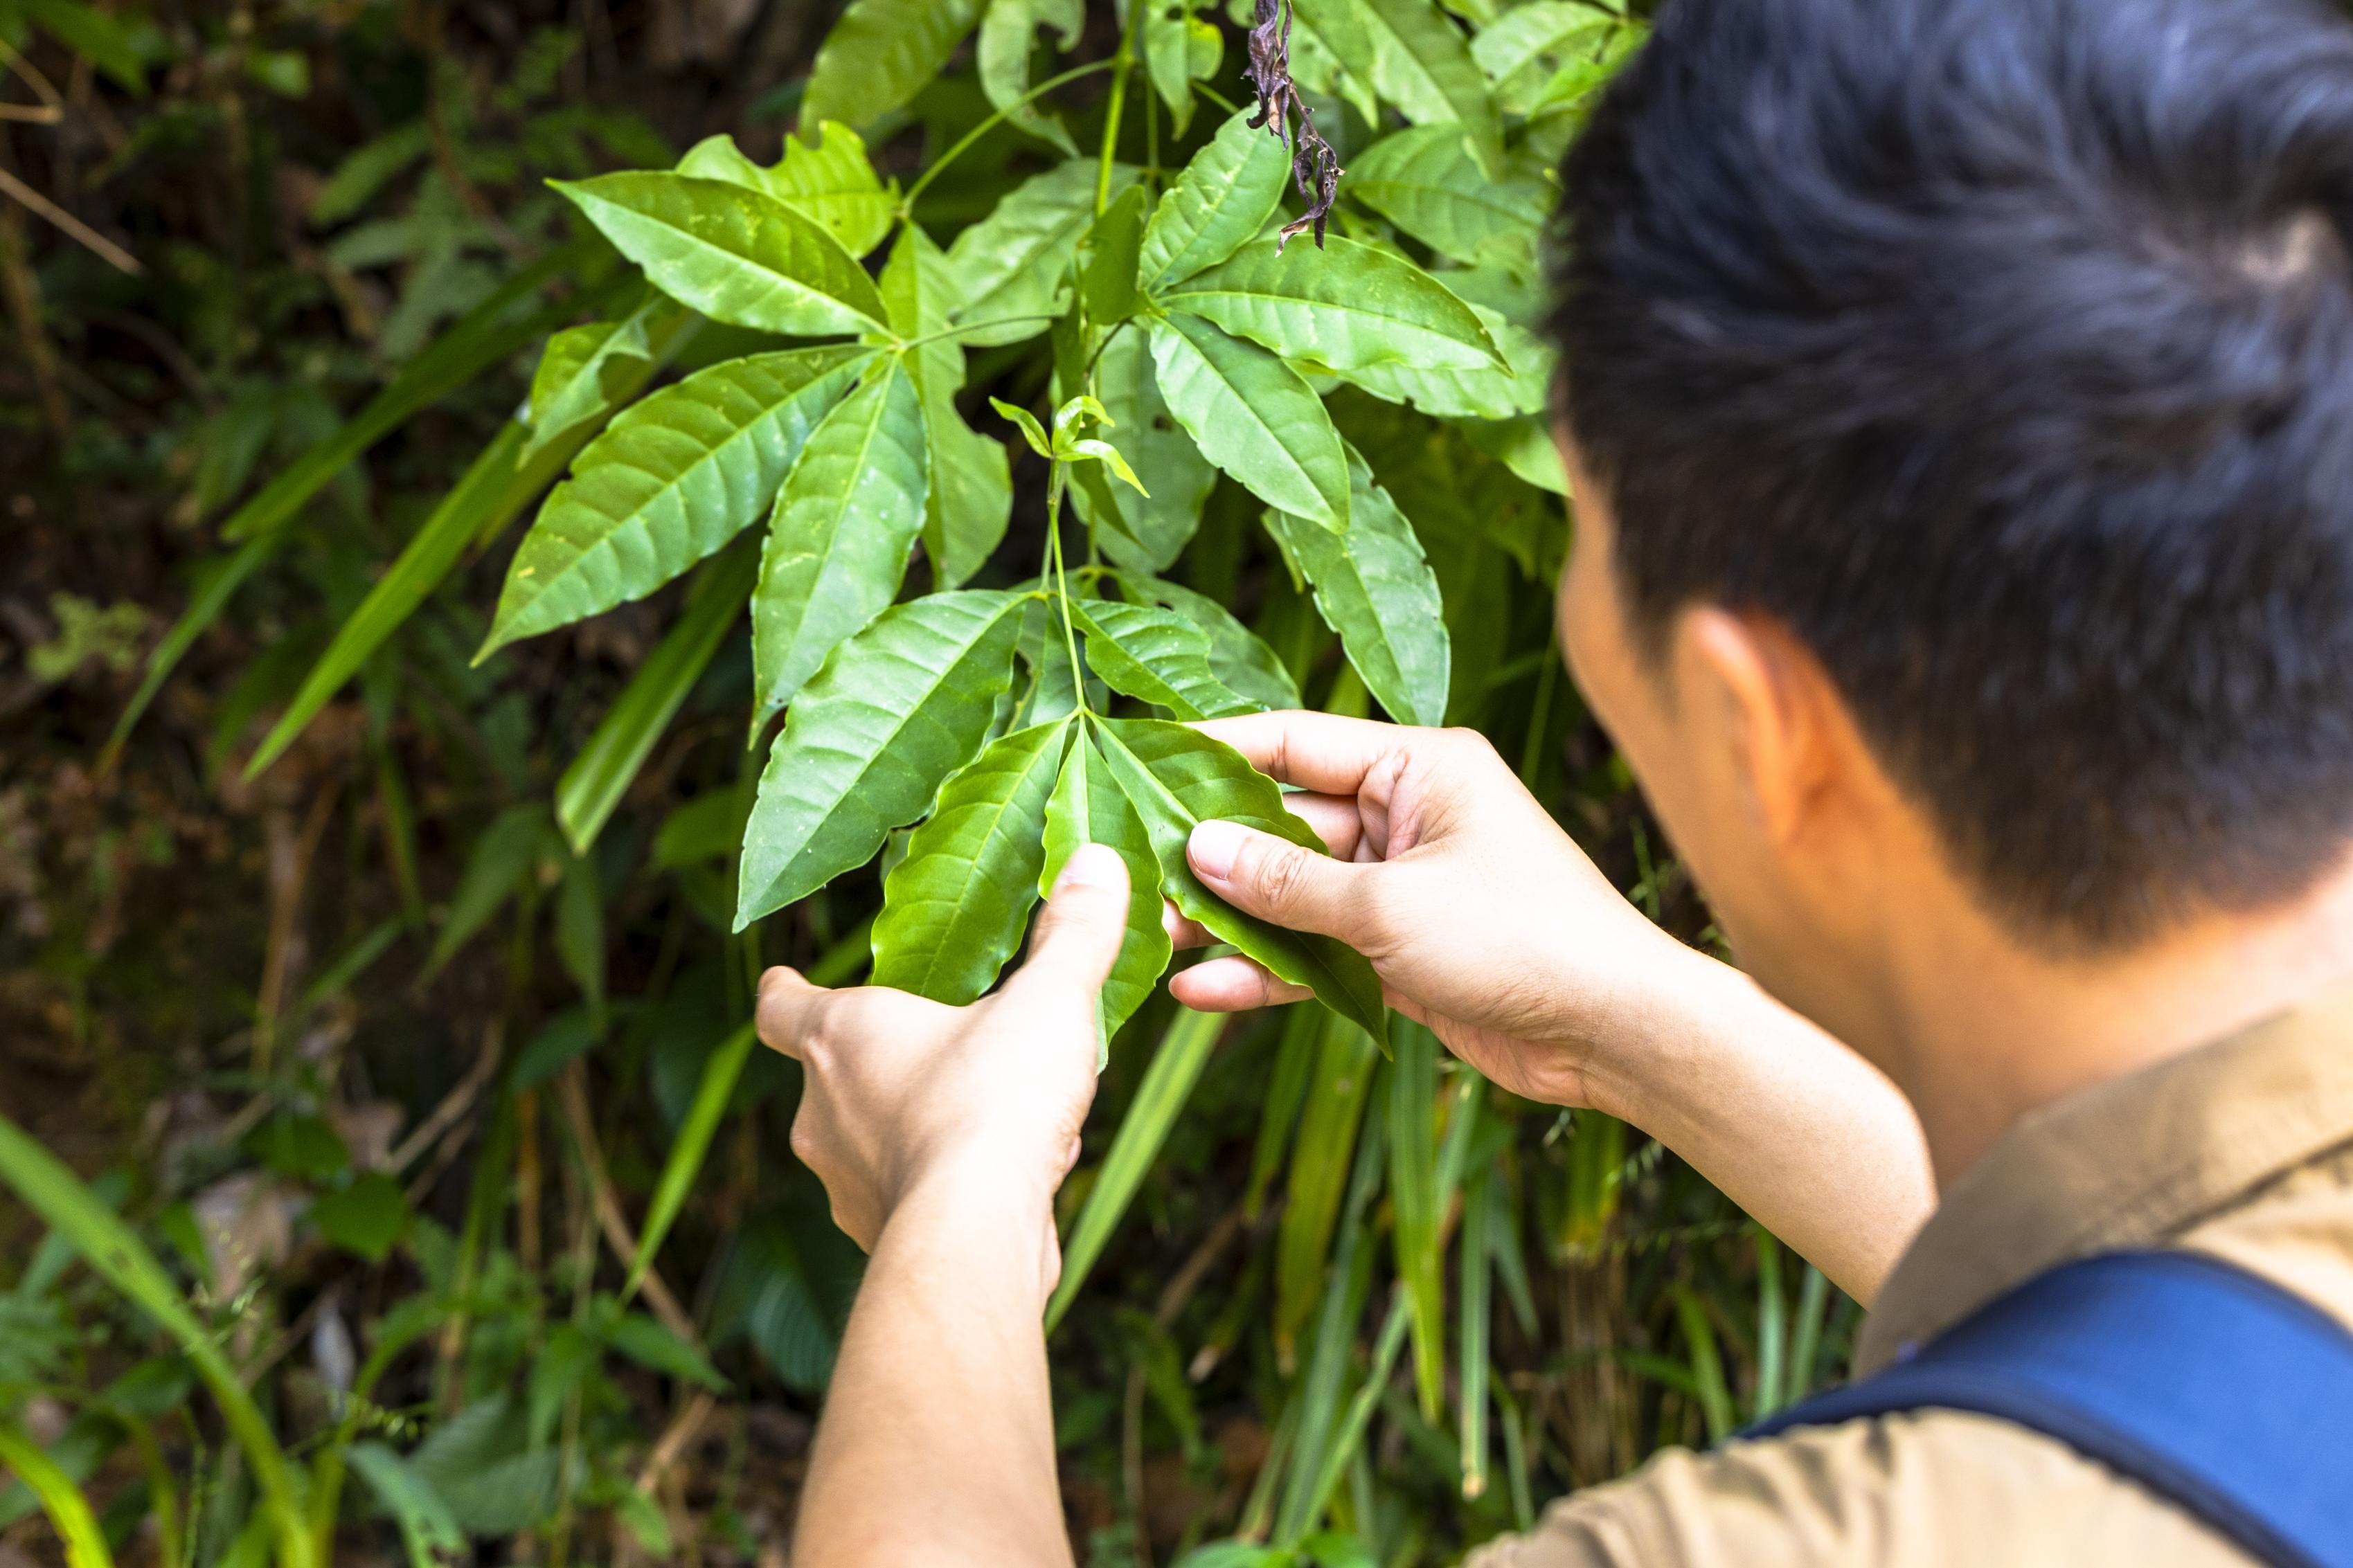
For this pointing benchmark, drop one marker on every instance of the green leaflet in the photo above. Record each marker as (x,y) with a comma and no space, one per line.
(1512,48)
(1179,49)
(735,254)
(1010,266)
(971,496)
(1237,655)
(1087,807)
(1177,777)
(1374,587)
(584,371)
(896,710)
(1424,181)
(1343,306)
(1525,446)
(1338,1087)
(1422,63)
(831,179)
(1254,416)
(1006,30)
(1489,392)
(881,54)
(845,522)
(1107,278)
(1414,1203)
(953,909)
(670,481)
(1150,530)
(1155,656)
(1219,204)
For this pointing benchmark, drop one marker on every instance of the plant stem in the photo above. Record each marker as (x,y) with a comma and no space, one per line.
(907,202)
(1054,486)
(1122,64)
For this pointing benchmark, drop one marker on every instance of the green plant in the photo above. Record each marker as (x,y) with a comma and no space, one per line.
(893,501)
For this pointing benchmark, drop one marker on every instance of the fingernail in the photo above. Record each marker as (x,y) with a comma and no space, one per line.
(1089,865)
(1214,846)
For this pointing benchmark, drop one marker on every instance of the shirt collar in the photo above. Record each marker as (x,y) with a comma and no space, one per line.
(2121,1165)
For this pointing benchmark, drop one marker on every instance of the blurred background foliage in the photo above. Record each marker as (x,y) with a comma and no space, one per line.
(339,1098)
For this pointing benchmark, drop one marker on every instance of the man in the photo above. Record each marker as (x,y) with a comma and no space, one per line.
(1959,396)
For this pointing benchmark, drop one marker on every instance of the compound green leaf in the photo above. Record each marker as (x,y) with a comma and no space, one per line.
(1484,392)
(1145,533)
(1374,587)
(953,909)
(845,522)
(829,178)
(1008,28)
(897,709)
(1424,181)
(1177,777)
(1217,204)
(971,496)
(672,479)
(881,54)
(1237,656)
(737,255)
(1012,266)
(1343,307)
(1087,807)
(1155,656)
(1254,416)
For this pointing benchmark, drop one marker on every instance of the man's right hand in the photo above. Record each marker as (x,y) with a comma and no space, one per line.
(1482,919)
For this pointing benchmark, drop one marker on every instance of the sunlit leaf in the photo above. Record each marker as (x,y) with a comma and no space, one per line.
(1425,181)
(1219,204)
(1008,30)
(1254,416)
(971,496)
(867,743)
(1515,48)
(1155,656)
(1012,266)
(672,479)
(845,522)
(1237,656)
(1374,587)
(1342,306)
(733,253)
(829,177)
(1521,385)
(1417,59)
(1145,533)
(953,909)
(1178,777)
(1087,807)
(880,54)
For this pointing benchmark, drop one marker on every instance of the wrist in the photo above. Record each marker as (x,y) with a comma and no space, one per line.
(1640,1051)
(981,1214)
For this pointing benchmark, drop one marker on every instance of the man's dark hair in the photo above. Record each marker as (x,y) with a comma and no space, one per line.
(2003,350)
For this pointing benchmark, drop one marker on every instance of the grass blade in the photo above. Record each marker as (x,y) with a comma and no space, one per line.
(1706,1363)
(592,786)
(1805,1347)
(69,1511)
(1772,1327)
(686,1155)
(1341,1081)
(1346,1283)
(115,1251)
(1474,1307)
(1168,1084)
(1284,1092)
(1413,1195)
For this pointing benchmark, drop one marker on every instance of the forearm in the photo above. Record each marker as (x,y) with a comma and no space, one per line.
(1795,1128)
(937,1444)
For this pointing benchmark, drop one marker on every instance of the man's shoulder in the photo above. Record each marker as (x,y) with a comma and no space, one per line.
(1928,1488)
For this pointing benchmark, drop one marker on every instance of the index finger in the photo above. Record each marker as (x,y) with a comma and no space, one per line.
(1320,751)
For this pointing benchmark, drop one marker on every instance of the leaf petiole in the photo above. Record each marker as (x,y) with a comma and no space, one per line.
(964,142)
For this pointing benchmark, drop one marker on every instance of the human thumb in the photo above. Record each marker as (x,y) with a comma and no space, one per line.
(1079,935)
(1275,878)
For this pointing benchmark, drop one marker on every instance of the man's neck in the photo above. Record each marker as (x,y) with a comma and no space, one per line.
(1983,1031)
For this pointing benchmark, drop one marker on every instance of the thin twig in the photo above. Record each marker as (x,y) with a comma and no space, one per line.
(106,249)
(572,1089)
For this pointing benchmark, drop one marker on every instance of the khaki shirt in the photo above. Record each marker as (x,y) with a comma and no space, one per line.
(2242,1150)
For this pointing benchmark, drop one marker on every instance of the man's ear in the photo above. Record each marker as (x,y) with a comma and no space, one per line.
(1775,713)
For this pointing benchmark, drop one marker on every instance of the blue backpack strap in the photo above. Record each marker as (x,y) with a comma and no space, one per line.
(2216,1390)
